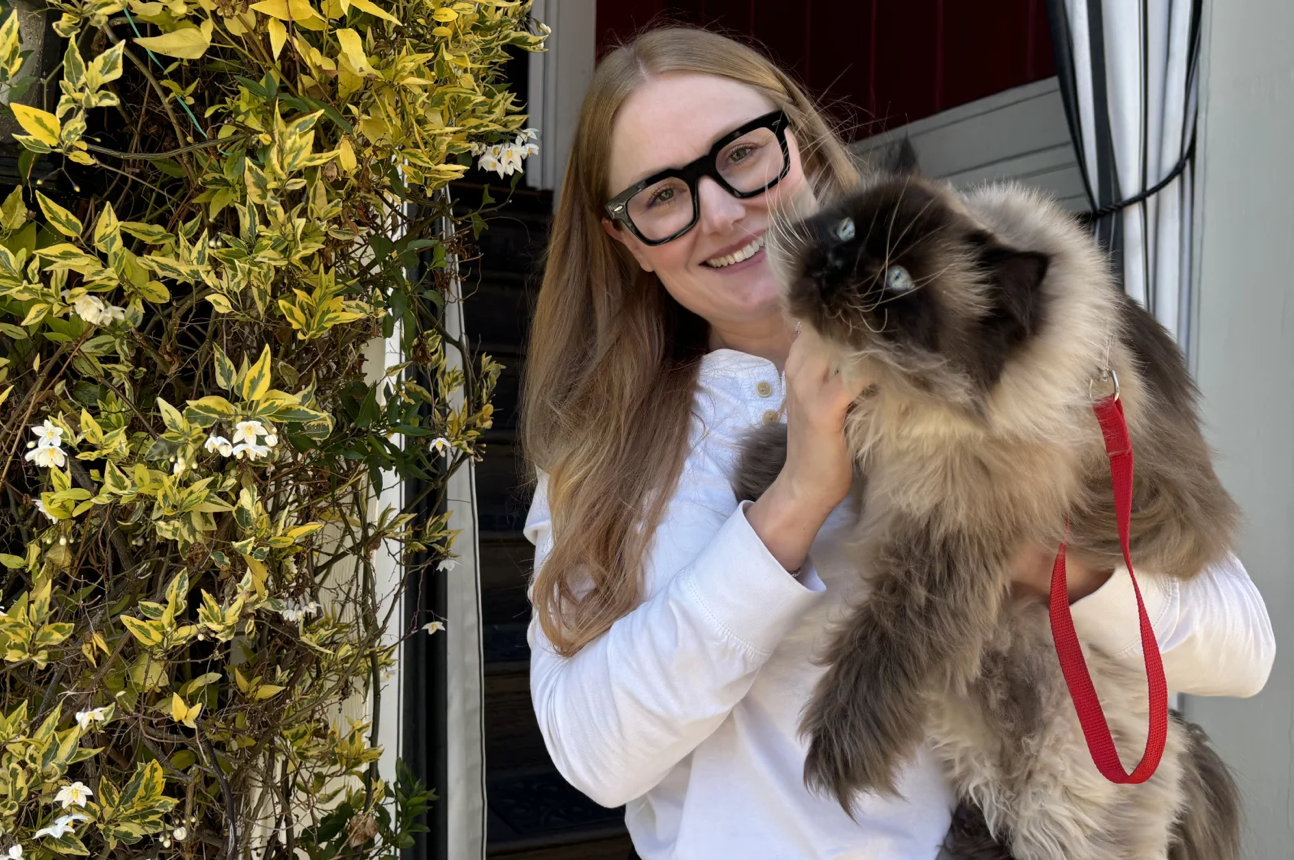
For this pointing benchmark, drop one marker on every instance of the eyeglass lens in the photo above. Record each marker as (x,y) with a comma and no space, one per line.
(749,164)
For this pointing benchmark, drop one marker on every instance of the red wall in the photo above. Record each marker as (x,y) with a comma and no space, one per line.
(882,62)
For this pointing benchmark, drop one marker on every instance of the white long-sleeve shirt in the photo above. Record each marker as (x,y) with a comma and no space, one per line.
(687,710)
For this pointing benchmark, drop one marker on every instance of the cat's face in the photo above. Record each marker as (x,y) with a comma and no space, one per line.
(899,272)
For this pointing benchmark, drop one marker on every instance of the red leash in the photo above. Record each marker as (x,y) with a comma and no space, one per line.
(1109,412)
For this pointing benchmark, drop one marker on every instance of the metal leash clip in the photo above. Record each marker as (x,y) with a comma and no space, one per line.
(1106,375)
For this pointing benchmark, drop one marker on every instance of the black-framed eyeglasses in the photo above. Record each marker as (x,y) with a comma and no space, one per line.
(745,162)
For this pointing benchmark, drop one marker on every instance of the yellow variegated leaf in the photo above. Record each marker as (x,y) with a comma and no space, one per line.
(298,11)
(269,690)
(40,124)
(183,713)
(278,36)
(257,382)
(62,220)
(346,156)
(373,9)
(187,44)
(10,46)
(106,67)
(352,49)
(107,232)
(142,631)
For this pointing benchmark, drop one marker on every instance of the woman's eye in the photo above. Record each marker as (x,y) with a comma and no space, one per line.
(660,196)
(898,279)
(740,153)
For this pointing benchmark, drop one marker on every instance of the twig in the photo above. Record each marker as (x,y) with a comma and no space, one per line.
(160,156)
(231,848)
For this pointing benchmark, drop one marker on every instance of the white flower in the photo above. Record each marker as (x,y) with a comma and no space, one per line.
(84,718)
(489,162)
(271,440)
(218,444)
(433,627)
(181,834)
(513,156)
(40,506)
(295,611)
(45,457)
(441,445)
(76,793)
(91,309)
(14,852)
(178,469)
(247,431)
(252,450)
(290,566)
(447,565)
(62,826)
(48,434)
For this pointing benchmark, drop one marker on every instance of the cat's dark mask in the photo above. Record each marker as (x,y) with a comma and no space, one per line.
(900,272)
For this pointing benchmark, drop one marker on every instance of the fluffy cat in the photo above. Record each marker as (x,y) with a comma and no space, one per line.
(984,319)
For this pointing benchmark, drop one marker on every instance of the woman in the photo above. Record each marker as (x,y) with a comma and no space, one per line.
(675,625)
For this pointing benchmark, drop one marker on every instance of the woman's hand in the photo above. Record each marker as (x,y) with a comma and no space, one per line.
(1031,572)
(818,469)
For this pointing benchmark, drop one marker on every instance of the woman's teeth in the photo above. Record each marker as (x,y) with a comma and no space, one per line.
(737,256)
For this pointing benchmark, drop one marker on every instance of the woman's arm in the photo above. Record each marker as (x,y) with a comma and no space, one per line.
(1213,630)
(618,715)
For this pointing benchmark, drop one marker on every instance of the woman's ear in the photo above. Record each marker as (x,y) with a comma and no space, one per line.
(634,248)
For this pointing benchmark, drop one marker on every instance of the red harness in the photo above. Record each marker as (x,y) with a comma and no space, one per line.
(1109,412)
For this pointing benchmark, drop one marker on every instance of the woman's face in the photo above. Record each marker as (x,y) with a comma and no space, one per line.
(670,121)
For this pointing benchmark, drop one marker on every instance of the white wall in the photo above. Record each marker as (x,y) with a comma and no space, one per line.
(1017,134)
(1243,358)
(558,78)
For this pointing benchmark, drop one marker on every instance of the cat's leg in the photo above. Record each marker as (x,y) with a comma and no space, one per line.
(934,600)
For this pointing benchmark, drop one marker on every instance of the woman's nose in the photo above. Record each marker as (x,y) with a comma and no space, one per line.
(719,209)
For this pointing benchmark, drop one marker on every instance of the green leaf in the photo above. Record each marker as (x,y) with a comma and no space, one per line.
(62,220)
(13,562)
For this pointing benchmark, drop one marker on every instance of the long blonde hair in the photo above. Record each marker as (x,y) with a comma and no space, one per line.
(612,360)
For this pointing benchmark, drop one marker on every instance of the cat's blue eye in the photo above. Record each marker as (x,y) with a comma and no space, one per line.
(845,230)
(898,280)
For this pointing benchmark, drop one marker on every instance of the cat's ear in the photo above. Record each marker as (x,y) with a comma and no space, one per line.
(1017,277)
(901,159)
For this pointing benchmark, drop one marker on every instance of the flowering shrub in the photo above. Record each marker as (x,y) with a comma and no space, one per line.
(244,199)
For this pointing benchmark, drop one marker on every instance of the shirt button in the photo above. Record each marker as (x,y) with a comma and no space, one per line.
(770,416)
(764,389)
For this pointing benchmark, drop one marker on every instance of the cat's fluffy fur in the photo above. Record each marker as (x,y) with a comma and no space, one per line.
(979,435)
